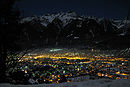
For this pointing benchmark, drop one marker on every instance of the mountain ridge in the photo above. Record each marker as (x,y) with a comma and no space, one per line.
(70,28)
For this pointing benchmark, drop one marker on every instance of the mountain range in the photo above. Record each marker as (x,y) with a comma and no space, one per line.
(72,29)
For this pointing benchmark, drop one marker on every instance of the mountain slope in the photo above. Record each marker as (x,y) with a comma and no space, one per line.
(70,28)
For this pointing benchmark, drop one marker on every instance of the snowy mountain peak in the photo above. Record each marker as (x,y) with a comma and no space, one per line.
(66,18)
(48,18)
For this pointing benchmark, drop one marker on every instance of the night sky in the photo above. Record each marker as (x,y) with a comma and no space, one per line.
(117,9)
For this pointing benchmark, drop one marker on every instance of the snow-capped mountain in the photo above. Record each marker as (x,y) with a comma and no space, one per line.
(70,27)
(48,18)
(67,18)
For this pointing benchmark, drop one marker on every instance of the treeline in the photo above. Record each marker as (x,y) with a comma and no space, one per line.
(9,30)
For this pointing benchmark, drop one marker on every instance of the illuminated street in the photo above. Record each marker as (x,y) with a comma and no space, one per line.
(62,65)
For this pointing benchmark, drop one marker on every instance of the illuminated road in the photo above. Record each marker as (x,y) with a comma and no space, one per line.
(73,63)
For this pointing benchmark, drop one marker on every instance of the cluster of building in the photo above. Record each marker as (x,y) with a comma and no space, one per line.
(59,67)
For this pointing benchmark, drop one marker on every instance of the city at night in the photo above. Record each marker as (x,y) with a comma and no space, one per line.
(64,43)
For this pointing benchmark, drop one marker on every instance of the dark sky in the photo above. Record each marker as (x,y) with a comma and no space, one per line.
(117,9)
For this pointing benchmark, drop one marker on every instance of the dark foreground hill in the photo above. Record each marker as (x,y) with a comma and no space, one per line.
(89,83)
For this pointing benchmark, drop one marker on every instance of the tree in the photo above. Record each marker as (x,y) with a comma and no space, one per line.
(8,32)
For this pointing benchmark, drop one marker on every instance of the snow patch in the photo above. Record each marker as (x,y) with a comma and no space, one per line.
(88,83)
